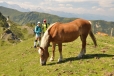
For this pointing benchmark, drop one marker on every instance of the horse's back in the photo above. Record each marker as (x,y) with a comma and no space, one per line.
(67,32)
(84,24)
(81,22)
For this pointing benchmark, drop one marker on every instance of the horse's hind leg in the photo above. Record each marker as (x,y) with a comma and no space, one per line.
(53,51)
(60,52)
(83,50)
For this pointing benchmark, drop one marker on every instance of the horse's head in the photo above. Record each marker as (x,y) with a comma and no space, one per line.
(43,55)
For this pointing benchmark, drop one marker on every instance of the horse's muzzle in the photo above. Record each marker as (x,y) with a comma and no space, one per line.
(43,64)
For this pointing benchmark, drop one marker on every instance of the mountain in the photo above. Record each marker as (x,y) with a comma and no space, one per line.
(31,17)
(85,16)
(24,18)
(14,6)
(60,13)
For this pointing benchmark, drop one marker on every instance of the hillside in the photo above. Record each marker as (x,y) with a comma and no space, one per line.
(23,60)
(24,18)
(103,26)
(9,12)
(31,17)
(12,32)
(3,22)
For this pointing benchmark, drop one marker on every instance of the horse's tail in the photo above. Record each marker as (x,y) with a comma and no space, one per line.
(92,36)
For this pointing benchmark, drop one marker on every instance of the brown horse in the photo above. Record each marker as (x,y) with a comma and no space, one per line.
(59,33)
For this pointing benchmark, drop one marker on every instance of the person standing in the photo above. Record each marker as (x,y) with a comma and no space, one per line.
(38,31)
(44,26)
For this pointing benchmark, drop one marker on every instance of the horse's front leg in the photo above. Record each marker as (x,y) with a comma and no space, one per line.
(60,52)
(53,51)
(83,50)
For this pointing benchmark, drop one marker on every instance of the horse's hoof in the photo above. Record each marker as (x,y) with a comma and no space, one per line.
(59,60)
(79,56)
(51,59)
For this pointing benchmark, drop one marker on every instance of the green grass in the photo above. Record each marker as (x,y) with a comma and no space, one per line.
(23,60)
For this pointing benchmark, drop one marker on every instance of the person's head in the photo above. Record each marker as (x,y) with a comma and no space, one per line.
(44,21)
(38,23)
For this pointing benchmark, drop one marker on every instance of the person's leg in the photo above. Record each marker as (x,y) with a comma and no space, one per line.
(35,41)
(39,40)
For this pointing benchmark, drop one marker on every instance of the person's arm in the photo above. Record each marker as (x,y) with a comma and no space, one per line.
(36,30)
(42,26)
(48,25)
(40,30)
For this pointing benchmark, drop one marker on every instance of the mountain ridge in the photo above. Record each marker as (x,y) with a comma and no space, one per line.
(24,18)
(60,13)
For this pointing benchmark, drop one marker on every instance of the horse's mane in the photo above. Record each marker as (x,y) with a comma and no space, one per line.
(45,38)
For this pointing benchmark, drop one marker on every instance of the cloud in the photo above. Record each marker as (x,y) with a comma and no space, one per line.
(112,9)
(106,3)
(94,7)
(64,1)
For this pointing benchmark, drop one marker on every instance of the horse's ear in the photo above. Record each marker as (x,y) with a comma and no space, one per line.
(41,48)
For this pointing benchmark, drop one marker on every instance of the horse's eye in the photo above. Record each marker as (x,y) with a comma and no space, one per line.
(41,55)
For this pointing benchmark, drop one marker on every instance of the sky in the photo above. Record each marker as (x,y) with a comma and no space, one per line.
(101,7)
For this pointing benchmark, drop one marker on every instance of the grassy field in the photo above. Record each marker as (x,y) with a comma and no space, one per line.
(23,60)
